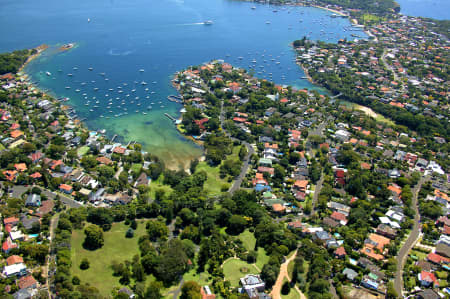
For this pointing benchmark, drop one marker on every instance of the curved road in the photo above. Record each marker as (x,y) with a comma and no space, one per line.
(409,244)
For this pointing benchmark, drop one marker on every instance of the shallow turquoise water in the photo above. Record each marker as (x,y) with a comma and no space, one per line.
(160,37)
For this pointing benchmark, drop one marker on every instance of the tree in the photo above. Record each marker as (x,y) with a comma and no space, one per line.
(129,233)
(94,237)
(154,290)
(286,288)
(236,224)
(157,230)
(190,290)
(391,292)
(84,264)
(173,262)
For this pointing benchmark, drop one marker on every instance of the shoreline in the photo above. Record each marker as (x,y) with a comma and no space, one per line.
(30,58)
(331,10)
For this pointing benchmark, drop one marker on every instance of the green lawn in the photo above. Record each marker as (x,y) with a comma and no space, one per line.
(158,184)
(262,258)
(419,254)
(116,248)
(248,240)
(136,168)
(82,151)
(202,278)
(232,271)
(2,147)
(293,294)
(214,183)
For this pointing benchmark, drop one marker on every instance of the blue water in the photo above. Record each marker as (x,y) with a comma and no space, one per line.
(160,37)
(436,9)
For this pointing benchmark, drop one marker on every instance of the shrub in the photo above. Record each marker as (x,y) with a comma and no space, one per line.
(84,264)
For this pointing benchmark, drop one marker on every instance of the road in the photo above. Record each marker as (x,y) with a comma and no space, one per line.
(250,151)
(276,289)
(53,225)
(18,190)
(389,67)
(316,194)
(409,244)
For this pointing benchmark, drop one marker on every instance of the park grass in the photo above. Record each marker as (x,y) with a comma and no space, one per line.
(136,168)
(248,240)
(290,268)
(213,183)
(202,278)
(2,147)
(116,248)
(262,258)
(82,151)
(158,184)
(232,270)
(293,294)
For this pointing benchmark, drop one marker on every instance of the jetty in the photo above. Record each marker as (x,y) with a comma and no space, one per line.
(176,99)
(170,117)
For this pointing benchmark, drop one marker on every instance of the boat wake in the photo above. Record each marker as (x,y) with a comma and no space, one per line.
(192,24)
(114,52)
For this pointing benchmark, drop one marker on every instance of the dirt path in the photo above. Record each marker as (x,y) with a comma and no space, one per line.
(276,289)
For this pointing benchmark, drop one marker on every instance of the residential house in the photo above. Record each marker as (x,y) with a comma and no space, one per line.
(27,282)
(206,293)
(252,284)
(66,188)
(33,200)
(350,274)
(428,279)
(15,270)
(14,259)
(340,252)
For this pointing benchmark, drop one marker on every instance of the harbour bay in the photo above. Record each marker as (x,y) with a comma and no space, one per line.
(139,45)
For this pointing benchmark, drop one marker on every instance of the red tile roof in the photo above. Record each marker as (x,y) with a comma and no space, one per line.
(340,251)
(14,259)
(26,282)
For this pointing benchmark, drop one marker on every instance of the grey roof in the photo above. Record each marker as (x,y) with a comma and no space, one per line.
(33,200)
(350,273)
(22,294)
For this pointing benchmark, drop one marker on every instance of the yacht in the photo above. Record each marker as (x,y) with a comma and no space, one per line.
(48,73)
(208,22)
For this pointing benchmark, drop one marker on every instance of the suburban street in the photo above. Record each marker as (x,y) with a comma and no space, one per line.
(246,163)
(316,194)
(409,244)
(18,190)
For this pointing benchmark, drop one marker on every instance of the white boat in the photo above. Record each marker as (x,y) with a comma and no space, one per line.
(48,73)
(208,22)
(267,22)
(253,7)
(142,70)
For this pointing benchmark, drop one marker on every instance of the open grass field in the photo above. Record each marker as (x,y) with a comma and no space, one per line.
(232,270)
(82,151)
(248,240)
(262,258)
(293,294)
(116,248)
(214,183)
(158,184)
